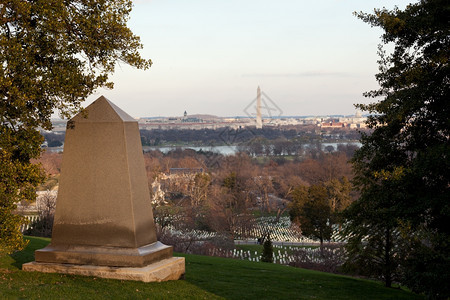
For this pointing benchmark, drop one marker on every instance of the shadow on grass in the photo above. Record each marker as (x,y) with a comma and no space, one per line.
(27,255)
(237,279)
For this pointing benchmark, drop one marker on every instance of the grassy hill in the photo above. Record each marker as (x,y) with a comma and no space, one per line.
(206,278)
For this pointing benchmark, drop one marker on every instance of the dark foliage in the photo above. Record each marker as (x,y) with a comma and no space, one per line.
(267,254)
(328,259)
(403,167)
(41,227)
(191,244)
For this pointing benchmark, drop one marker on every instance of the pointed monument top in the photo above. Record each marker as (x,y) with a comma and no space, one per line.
(103,110)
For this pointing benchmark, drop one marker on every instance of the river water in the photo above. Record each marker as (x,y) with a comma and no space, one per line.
(224,150)
(230,149)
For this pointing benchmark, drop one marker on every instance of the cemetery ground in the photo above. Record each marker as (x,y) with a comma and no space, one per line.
(206,278)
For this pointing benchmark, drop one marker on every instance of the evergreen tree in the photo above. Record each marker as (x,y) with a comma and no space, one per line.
(402,169)
(311,210)
(267,254)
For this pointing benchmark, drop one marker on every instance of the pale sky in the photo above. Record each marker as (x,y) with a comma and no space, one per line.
(209,56)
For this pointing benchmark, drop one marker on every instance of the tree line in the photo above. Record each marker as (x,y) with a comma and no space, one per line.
(227,136)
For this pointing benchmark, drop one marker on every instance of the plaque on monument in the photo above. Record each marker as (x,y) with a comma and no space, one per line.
(103,221)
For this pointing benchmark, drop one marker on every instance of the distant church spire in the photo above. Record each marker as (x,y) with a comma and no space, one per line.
(258,109)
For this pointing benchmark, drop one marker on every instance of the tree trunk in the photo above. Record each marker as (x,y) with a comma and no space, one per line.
(321,246)
(387,259)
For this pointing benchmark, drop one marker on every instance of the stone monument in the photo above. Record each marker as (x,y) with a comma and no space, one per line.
(103,221)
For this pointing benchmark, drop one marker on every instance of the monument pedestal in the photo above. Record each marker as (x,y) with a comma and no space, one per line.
(167,269)
(104,256)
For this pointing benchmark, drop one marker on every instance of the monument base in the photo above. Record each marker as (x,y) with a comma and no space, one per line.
(164,270)
(104,256)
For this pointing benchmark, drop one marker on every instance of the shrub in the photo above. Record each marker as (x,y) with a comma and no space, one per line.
(267,254)
(326,259)
(192,244)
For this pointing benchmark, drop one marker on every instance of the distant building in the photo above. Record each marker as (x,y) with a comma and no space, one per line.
(332,125)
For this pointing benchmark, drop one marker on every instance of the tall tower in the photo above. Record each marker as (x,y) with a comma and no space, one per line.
(258,109)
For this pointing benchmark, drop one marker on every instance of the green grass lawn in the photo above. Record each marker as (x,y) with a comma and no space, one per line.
(206,278)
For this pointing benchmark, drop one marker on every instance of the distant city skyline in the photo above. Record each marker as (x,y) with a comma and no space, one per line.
(209,57)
